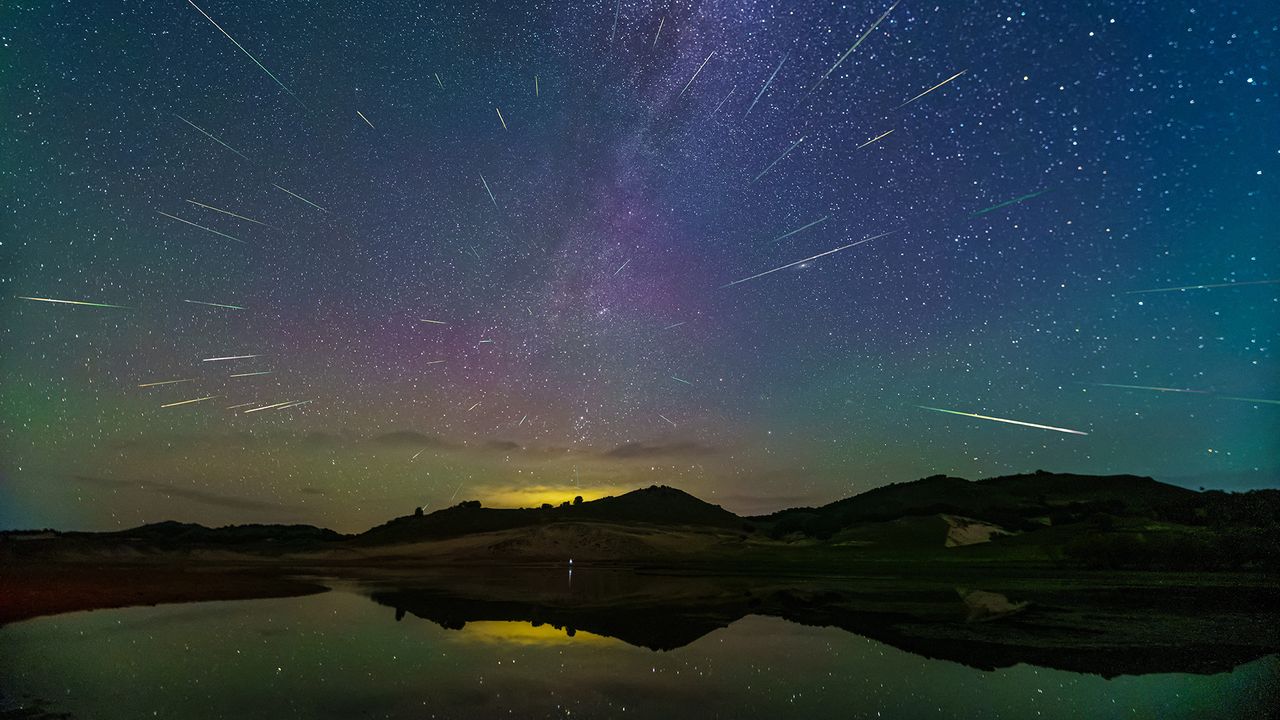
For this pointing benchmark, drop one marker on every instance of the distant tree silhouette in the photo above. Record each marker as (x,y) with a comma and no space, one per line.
(417,512)
(564,504)
(470,504)
(546,506)
(577,500)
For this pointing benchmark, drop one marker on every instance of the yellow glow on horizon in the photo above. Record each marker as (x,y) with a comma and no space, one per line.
(536,495)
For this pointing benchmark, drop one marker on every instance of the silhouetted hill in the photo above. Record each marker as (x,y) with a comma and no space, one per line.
(176,533)
(1117,521)
(1014,501)
(655,505)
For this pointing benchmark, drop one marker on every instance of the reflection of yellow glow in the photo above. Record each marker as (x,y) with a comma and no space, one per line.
(521,633)
(536,495)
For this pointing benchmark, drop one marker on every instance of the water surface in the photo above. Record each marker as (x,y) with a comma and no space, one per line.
(344,655)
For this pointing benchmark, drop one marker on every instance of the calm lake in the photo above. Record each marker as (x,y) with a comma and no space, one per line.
(370,652)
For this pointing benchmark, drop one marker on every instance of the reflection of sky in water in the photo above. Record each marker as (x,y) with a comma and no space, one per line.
(338,655)
(506,632)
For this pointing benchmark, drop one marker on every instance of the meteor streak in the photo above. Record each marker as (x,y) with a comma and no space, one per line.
(165,382)
(686,382)
(883,134)
(246,52)
(233,407)
(655,35)
(260,372)
(695,74)
(1185,390)
(676,325)
(230,357)
(935,87)
(438,80)
(188,402)
(227,212)
(433,362)
(801,262)
(300,198)
(526,417)
(628,262)
(215,232)
(433,322)
(267,407)
(537,92)
(211,136)
(775,162)
(1204,287)
(198,302)
(802,227)
(365,119)
(294,404)
(1014,201)
(766,85)
(664,417)
(473,407)
(722,102)
(1149,387)
(486,189)
(504,122)
(73,302)
(1247,399)
(846,54)
(1004,420)
(616,9)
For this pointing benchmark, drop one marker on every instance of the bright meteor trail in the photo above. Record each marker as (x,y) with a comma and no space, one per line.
(73,302)
(1004,420)
(211,230)
(766,86)
(230,357)
(801,262)
(695,74)
(165,382)
(486,189)
(247,53)
(188,402)
(846,54)
(935,87)
(881,135)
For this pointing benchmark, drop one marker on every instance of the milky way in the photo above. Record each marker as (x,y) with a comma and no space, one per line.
(492,250)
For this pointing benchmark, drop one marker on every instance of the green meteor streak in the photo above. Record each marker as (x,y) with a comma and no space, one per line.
(1014,201)
(73,302)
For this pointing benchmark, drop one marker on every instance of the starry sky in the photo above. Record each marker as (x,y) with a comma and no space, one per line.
(571,193)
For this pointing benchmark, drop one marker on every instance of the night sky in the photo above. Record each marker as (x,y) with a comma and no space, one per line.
(570,191)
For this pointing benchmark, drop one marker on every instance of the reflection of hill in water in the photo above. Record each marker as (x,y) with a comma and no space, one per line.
(1084,626)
